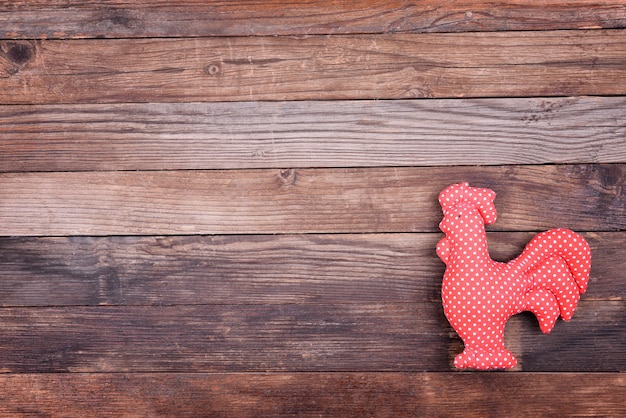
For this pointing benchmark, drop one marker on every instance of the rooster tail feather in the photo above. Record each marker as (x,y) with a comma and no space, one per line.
(558,264)
(545,306)
(554,275)
(554,250)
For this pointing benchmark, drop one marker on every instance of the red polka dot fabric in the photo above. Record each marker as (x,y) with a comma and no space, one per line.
(479,295)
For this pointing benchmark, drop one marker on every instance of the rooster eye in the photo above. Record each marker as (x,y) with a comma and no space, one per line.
(458,216)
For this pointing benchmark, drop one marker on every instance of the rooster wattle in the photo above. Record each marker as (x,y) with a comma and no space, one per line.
(479,294)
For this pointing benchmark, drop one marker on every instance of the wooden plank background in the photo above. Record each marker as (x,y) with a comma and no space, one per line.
(229,208)
(380,66)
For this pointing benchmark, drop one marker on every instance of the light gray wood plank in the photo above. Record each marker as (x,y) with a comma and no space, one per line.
(161,136)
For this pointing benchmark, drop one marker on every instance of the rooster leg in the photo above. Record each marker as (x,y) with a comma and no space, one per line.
(484,348)
(544,305)
(485,359)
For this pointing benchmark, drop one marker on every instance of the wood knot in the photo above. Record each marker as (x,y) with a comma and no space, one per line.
(117,18)
(19,53)
(213,69)
(288,176)
(611,177)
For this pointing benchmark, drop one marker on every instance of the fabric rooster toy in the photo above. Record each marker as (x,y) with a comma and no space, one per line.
(479,295)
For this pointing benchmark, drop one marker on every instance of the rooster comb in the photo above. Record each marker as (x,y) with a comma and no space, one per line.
(462,193)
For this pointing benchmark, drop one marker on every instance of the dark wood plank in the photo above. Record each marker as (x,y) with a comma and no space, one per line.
(552,63)
(553,352)
(224,338)
(252,269)
(312,134)
(315,394)
(290,337)
(116,18)
(219,269)
(580,197)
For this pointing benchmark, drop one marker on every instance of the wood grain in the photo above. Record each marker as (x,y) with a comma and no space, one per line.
(314,394)
(580,197)
(289,337)
(218,338)
(552,63)
(118,18)
(168,136)
(255,269)
(553,352)
(217,208)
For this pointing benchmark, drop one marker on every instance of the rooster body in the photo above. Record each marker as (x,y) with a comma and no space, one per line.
(479,294)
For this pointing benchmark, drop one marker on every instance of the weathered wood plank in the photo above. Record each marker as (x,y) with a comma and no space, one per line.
(580,197)
(553,63)
(313,134)
(191,270)
(53,19)
(224,338)
(314,394)
(540,352)
(218,269)
(290,337)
